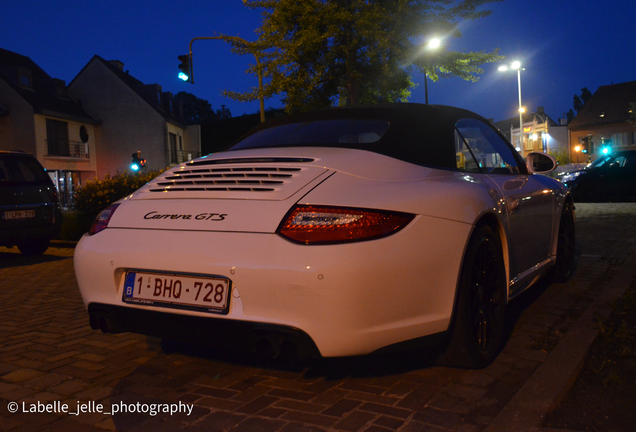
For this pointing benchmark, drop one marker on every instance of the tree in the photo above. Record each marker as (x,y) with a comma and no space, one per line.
(320,53)
(579,101)
(196,110)
(632,114)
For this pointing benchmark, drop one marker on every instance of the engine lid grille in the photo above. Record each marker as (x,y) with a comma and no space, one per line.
(244,178)
(252,179)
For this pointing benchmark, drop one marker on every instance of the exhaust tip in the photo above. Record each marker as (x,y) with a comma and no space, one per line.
(273,346)
(289,350)
(102,320)
(266,347)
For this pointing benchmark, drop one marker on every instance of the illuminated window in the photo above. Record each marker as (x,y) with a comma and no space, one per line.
(529,143)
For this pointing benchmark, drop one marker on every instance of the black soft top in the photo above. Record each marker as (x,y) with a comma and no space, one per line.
(420,134)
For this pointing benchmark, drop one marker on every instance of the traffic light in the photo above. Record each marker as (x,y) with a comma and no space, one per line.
(186,67)
(137,162)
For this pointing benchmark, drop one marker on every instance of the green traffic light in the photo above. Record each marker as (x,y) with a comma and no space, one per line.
(183,76)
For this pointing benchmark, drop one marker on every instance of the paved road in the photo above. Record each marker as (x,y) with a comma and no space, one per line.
(50,360)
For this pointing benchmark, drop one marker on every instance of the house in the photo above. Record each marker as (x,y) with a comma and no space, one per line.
(540,133)
(133,117)
(602,123)
(38,117)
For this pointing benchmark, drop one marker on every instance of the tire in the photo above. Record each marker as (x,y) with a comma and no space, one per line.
(566,242)
(34,247)
(476,334)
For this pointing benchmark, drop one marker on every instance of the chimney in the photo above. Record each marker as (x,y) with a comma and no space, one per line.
(119,65)
(59,87)
(540,110)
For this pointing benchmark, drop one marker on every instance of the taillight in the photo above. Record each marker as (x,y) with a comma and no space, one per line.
(328,225)
(101,221)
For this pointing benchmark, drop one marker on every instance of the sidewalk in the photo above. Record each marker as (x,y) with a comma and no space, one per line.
(552,380)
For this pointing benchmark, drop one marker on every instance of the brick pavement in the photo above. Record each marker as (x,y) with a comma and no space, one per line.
(49,354)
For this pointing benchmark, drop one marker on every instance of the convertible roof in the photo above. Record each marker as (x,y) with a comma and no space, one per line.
(420,134)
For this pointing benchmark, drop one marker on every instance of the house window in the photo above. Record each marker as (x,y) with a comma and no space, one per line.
(529,142)
(173,149)
(25,80)
(57,137)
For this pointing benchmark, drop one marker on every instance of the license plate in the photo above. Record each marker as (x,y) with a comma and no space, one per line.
(199,293)
(19,214)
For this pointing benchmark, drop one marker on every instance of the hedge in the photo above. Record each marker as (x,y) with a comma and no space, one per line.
(95,196)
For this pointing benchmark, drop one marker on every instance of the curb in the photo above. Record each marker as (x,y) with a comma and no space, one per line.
(547,386)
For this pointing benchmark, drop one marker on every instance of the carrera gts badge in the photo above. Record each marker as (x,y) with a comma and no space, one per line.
(200,216)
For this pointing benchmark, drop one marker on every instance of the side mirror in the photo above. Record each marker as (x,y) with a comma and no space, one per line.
(540,163)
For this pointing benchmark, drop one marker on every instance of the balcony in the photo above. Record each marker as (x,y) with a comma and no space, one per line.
(71,149)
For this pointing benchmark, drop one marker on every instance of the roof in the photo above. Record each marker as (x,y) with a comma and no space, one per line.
(417,133)
(42,94)
(134,84)
(609,104)
(505,125)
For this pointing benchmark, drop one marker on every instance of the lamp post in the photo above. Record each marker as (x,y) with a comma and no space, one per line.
(433,44)
(258,68)
(517,65)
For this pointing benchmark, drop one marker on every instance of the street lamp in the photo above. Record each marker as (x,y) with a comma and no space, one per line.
(577,149)
(516,65)
(433,44)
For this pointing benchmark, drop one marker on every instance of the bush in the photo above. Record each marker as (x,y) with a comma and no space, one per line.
(562,156)
(72,226)
(95,196)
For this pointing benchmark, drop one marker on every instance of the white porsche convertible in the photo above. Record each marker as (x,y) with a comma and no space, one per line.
(335,233)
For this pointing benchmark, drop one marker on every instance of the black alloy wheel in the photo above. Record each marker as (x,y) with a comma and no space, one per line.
(566,243)
(484,292)
(479,317)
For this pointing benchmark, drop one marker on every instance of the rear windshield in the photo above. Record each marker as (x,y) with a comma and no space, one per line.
(341,132)
(21,170)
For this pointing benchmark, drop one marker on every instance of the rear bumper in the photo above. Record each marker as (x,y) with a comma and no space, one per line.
(268,340)
(348,299)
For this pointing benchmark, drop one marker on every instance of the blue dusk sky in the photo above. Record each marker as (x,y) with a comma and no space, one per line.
(564,45)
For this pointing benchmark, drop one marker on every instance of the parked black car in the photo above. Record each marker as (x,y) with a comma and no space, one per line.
(611,177)
(30,213)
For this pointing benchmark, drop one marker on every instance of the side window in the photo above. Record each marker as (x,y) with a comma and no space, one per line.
(22,170)
(464,158)
(488,152)
(619,162)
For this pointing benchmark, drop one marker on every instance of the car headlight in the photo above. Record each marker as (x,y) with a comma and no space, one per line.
(571,176)
(328,225)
